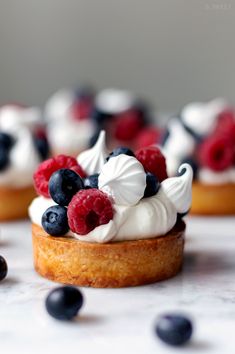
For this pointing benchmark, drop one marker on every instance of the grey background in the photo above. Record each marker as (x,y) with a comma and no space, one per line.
(171,51)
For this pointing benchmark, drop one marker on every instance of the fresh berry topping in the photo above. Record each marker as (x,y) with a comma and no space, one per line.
(42,146)
(216,152)
(152,185)
(55,221)
(3,268)
(226,125)
(63,303)
(100,117)
(4,158)
(119,151)
(153,161)
(174,329)
(128,125)
(148,136)
(46,168)
(94,138)
(88,209)
(6,141)
(91,181)
(78,169)
(81,109)
(63,185)
(164,137)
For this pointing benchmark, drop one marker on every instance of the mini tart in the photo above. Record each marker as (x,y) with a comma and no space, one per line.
(14,202)
(109,265)
(210,199)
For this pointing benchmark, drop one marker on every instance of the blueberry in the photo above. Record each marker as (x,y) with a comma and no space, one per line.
(119,151)
(191,161)
(6,141)
(196,136)
(63,303)
(3,268)
(174,329)
(164,137)
(182,215)
(91,181)
(100,117)
(55,220)
(152,185)
(4,158)
(42,146)
(94,138)
(143,109)
(84,92)
(63,185)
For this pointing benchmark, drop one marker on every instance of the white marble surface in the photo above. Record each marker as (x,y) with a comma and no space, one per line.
(121,320)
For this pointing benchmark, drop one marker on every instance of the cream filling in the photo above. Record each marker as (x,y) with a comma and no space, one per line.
(151,217)
(207,176)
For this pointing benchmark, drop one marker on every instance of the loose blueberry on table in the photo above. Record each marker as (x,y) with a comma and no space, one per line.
(3,268)
(64,303)
(174,329)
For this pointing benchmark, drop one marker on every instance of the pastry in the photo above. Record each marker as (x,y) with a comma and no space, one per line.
(203,135)
(70,127)
(75,119)
(127,119)
(111,221)
(23,145)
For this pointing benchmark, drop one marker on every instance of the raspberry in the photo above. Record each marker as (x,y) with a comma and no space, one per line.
(88,209)
(216,152)
(46,168)
(153,161)
(81,109)
(148,136)
(78,169)
(128,125)
(226,124)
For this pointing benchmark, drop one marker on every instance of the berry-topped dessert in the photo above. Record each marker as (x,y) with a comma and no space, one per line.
(23,145)
(109,219)
(126,118)
(203,135)
(70,127)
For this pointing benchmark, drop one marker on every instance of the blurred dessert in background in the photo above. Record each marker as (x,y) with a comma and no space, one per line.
(76,117)
(127,119)
(203,135)
(23,145)
(68,115)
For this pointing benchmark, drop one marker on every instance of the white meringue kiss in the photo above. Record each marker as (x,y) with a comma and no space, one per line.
(179,189)
(93,159)
(124,179)
(12,118)
(201,117)
(113,101)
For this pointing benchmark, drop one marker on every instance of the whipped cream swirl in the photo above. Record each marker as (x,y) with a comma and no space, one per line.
(93,159)
(124,179)
(178,189)
(113,101)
